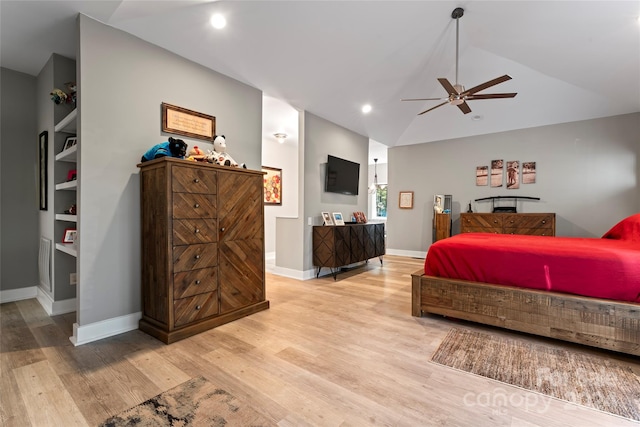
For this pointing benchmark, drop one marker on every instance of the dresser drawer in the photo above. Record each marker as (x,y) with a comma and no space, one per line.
(481,220)
(188,205)
(466,229)
(528,221)
(189,231)
(530,231)
(186,179)
(189,283)
(192,257)
(197,307)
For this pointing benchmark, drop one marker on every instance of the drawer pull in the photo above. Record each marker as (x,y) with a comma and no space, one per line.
(196,205)
(197,230)
(197,256)
(495,221)
(198,307)
(544,222)
(222,229)
(196,180)
(197,282)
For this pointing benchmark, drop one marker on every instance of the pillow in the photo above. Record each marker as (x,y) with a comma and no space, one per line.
(627,229)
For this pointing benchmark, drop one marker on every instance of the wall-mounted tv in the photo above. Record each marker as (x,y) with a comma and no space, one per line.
(342,176)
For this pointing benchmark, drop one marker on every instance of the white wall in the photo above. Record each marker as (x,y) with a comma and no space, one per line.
(19,231)
(587,173)
(122,83)
(282,156)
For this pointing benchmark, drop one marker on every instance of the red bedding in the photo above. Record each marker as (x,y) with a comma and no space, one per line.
(604,268)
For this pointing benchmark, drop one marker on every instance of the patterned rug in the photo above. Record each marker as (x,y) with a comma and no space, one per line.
(193,403)
(590,380)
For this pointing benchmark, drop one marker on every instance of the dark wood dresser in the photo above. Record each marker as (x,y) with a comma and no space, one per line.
(537,224)
(202,246)
(340,245)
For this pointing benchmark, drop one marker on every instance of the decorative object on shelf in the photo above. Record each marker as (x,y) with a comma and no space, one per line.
(405,200)
(482,175)
(337,218)
(469,210)
(173,148)
(272,185)
(181,121)
(326,216)
(58,96)
(72,175)
(360,217)
(438,203)
(529,172)
(42,166)
(69,142)
(70,235)
(72,210)
(219,155)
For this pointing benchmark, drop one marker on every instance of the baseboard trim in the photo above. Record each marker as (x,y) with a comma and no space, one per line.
(54,308)
(291,273)
(19,294)
(106,328)
(410,254)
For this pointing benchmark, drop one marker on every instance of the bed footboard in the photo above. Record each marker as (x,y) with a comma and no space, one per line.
(606,324)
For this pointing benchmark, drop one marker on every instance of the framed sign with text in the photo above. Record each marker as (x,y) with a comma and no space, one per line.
(181,121)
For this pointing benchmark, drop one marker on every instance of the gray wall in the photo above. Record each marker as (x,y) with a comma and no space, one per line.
(322,138)
(19,234)
(587,173)
(122,83)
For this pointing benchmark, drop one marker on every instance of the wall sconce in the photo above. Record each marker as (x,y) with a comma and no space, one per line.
(280,137)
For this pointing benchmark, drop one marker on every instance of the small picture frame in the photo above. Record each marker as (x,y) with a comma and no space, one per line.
(326,216)
(405,200)
(69,235)
(337,218)
(69,142)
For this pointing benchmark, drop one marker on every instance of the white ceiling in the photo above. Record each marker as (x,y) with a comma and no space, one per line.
(569,61)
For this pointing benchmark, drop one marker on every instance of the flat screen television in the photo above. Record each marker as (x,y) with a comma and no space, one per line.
(342,176)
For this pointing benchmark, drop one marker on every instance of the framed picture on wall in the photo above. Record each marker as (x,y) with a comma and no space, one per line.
(405,200)
(272,185)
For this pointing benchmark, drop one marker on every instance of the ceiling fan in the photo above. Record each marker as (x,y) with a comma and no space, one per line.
(458,96)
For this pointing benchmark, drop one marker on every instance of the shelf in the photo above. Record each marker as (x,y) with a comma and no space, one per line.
(68,124)
(67,217)
(68,155)
(69,185)
(67,248)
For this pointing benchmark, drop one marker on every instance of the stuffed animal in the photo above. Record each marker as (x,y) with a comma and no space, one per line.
(172,148)
(58,96)
(196,154)
(219,154)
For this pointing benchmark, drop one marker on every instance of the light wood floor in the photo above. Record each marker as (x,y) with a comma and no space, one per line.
(327,353)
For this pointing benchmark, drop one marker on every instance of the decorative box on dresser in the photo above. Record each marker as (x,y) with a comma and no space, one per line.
(202,246)
(537,224)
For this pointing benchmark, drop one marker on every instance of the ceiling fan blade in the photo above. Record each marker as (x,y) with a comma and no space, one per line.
(464,107)
(422,99)
(433,108)
(486,85)
(491,96)
(447,86)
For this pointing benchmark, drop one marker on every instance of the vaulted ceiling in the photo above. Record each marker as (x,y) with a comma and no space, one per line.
(569,61)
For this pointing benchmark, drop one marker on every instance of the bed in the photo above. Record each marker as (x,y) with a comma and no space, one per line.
(583,290)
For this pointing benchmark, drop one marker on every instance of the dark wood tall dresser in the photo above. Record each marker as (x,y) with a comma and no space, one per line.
(202,246)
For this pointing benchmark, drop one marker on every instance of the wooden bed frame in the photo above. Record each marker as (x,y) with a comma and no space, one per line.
(601,323)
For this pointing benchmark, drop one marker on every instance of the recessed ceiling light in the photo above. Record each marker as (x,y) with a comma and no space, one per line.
(366,108)
(218,21)
(476,118)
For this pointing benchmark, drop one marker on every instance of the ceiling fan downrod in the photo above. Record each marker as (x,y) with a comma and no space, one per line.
(457,13)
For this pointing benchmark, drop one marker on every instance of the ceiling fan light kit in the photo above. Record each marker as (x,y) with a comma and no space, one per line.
(458,96)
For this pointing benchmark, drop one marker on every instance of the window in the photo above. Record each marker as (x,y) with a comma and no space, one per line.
(379,202)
